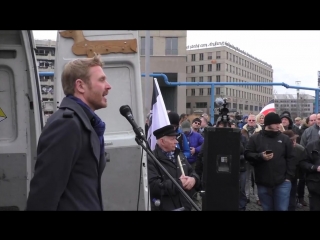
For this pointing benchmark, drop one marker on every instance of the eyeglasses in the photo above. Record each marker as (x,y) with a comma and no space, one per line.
(251,120)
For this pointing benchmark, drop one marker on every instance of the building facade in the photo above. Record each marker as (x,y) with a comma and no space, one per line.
(299,105)
(45,54)
(226,63)
(167,56)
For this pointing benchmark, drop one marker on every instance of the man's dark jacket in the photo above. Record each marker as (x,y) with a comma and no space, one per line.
(161,186)
(281,167)
(310,163)
(68,169)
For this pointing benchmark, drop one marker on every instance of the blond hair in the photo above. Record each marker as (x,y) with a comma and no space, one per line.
(78,69)
(258,117)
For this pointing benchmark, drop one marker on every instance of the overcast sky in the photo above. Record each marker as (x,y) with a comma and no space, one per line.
(294,55)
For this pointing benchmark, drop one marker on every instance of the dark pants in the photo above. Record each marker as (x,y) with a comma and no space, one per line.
(314,202)
(242,191)
(301,183)
(293,196)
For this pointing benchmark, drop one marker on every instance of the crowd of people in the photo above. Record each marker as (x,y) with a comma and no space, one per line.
(279,157)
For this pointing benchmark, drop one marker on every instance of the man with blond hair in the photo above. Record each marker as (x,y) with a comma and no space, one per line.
(70,153)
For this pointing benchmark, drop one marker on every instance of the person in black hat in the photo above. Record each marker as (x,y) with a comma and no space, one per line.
(161,186)
(287,123)
(272,156)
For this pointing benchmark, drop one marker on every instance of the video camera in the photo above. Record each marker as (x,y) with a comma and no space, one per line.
(223,111)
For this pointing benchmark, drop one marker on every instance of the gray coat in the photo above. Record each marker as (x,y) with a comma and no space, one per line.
(68,168)
(309,135)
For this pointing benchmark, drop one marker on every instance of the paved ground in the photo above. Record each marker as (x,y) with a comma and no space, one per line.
(253,206)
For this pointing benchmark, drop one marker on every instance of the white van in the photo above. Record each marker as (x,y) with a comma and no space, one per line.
(124,181)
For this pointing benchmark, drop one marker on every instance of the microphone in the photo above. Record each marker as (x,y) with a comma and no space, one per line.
(125,111)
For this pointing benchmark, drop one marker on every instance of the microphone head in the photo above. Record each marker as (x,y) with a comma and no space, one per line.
(124,110)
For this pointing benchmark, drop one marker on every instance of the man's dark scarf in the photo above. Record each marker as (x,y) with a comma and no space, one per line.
(98,125)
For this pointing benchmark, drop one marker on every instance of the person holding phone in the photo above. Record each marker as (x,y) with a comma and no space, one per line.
(271,154)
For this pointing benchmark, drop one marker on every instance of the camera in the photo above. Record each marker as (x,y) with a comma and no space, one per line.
(223,112)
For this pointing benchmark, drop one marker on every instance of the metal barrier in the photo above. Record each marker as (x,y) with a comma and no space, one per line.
(213,84)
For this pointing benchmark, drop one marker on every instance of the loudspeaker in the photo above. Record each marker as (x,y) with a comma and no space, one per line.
(221,167)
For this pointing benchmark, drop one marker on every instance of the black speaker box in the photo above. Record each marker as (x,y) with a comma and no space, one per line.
(221,165)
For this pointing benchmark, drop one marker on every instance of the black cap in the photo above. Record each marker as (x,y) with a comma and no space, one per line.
(165,131)
(271,118)
(174,118)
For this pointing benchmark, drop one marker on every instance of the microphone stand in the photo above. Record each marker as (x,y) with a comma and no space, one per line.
(140,140)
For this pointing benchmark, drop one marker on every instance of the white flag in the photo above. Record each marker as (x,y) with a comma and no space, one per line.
(158,114)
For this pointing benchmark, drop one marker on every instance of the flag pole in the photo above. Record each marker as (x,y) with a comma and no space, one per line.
(147,73)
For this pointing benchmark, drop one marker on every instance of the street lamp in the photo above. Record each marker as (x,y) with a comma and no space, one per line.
(298,96)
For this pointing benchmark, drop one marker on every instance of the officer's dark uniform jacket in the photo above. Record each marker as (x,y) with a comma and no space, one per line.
(311,162)
(69,166)
(281,167)
(161,186)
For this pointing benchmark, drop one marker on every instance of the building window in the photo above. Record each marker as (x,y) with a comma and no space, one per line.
(171,46)
(193,69)
(218,78)
(218,67)
(188,105)
(186,92)
(251,107)
(217,90)
(200,91)
(193,57)
(200,79)
(193,92)
(209,67)
(143,46)
(201,57)
(256,108)
(45,64)
(209,78)
(201,104)
(209,91)
(234,105)
(201,68)
(41,52)
(218,55)
(209,55)
(193,79)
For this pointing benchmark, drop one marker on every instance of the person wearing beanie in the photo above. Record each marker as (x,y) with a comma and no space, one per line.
(271,154)
(183,145)
(287,123)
